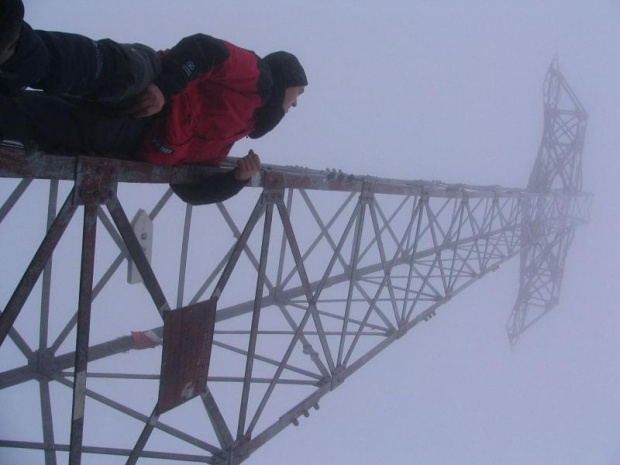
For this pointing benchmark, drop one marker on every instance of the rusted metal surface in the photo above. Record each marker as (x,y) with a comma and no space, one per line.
(83,334)
(95,181)
(188,338)
(15,163)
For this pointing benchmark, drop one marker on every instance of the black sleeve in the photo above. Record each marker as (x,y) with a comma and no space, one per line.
(216,188)
(187,60)
(30,63)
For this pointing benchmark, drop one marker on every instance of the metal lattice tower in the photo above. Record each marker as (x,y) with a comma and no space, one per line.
(548,234)
(323,272)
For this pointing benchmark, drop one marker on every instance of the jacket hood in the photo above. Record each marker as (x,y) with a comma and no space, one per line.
(286,71)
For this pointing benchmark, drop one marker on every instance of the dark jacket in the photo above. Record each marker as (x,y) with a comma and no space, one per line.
(216,188)
(213,91)
(61,63)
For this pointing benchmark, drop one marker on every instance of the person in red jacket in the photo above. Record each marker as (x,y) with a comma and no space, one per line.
(213,93)
(209,94)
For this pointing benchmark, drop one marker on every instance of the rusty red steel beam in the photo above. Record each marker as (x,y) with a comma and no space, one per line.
(15,163)
(83,333)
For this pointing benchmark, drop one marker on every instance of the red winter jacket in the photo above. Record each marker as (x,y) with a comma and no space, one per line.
(212,90)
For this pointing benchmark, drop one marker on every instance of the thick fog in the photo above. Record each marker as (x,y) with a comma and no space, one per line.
(446,90)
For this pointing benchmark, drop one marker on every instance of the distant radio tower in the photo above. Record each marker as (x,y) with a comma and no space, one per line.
(242,320)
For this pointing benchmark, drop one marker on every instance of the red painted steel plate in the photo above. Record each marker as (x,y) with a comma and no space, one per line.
(188,338)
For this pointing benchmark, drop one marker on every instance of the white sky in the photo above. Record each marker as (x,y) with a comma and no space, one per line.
(445,90)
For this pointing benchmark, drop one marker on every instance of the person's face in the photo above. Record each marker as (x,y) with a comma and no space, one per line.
(290,97)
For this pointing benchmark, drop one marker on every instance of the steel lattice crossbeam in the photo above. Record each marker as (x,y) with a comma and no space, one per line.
(314,273)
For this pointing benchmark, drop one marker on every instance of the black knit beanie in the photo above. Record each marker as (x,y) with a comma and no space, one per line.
(11,17)
(286,71)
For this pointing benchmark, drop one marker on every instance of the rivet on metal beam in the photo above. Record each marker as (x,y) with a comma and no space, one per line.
(95,181)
